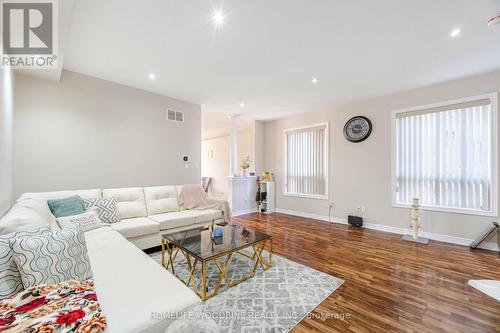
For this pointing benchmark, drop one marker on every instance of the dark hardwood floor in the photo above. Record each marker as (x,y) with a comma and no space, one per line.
(390,285)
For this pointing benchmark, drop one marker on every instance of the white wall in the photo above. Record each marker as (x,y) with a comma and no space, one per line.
(218,167)
(215,164)
(6,138)
(84,132)
(360,173)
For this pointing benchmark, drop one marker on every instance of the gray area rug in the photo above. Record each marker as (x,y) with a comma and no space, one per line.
(273,301)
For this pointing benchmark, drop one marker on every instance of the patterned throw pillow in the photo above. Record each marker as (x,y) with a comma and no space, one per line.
(87,221)
(52,258)
(67,206)
(106,209)
(10,279)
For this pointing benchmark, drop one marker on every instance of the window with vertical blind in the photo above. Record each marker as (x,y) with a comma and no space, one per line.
(306,161)
(446,156)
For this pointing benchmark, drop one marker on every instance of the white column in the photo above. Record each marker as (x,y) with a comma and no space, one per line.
(234,145)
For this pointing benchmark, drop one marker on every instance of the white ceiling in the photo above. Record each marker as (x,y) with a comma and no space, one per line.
(268,51)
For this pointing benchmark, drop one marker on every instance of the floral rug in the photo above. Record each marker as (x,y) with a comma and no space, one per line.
(272,301)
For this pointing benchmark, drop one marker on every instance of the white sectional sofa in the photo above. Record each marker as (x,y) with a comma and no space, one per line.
(136,293)
(144,213)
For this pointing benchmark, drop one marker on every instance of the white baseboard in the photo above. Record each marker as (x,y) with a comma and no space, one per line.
(309,215)
(395,230)
(246,211)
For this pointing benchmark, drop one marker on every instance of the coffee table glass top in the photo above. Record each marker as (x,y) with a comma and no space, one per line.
(201,244)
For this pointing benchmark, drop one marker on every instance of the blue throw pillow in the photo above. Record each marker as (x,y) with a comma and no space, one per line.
(67,206)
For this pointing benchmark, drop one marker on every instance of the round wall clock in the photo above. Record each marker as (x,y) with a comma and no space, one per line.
(357,129)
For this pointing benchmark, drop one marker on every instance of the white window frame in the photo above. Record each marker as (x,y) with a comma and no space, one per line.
(327,161)
(494,154)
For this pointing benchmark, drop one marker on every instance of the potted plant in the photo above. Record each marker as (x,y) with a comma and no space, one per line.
(245,164)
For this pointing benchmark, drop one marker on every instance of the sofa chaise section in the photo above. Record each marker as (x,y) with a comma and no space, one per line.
(135,293)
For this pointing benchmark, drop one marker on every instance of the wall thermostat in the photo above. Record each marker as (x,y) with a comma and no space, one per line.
(185,158)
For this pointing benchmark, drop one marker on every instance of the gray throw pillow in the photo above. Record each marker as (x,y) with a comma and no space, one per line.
(52,258)
(106,209)
(10,279)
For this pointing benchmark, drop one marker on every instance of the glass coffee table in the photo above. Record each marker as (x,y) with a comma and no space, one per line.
(201,246)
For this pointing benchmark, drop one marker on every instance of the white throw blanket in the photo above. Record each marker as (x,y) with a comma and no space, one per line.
(194,197)
(489,287)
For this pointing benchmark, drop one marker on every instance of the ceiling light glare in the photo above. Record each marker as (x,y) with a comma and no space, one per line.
(218,17)
(455,33)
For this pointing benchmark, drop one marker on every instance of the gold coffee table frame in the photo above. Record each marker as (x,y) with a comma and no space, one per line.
(173,249)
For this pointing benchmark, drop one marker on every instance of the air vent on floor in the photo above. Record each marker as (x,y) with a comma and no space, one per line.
(177,116)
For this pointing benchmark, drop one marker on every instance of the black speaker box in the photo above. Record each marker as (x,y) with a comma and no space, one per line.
(355,221)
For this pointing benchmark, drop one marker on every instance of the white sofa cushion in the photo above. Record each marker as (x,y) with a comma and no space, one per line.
(173,220)
(130,201)
(146,242)
(131,286)
(161,199)
(27,214)
(135,227)
(205,215)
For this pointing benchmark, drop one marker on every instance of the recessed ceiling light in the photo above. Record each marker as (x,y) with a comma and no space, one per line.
(218,17)
(455,33)
(242,104)
(314,80)
(152,76)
